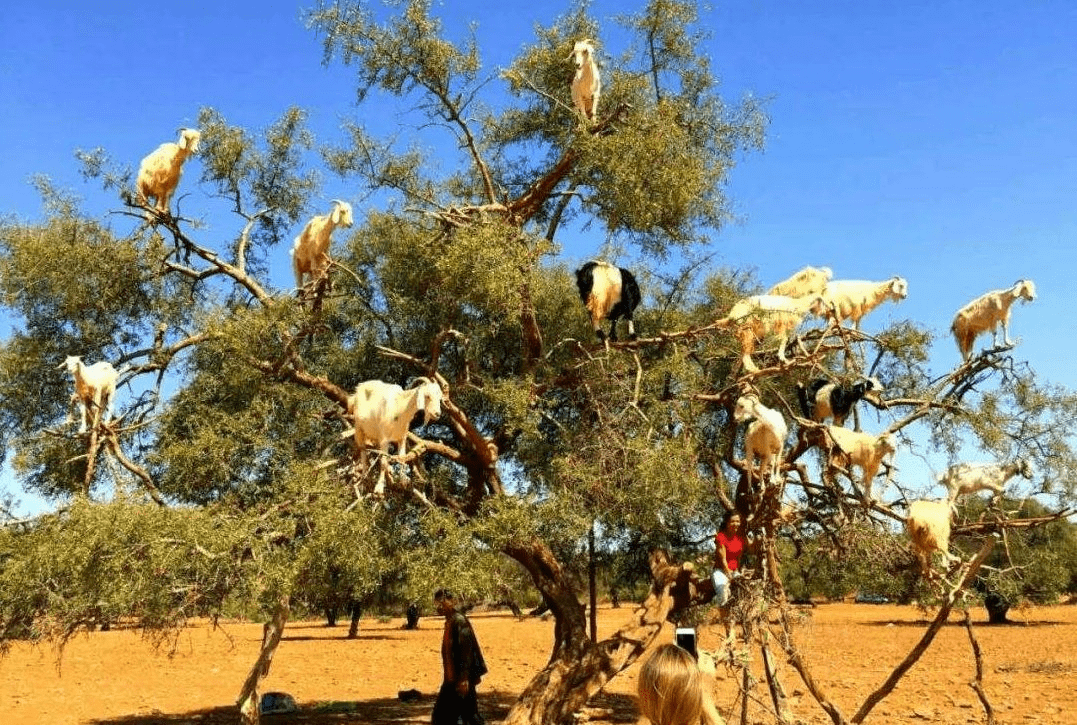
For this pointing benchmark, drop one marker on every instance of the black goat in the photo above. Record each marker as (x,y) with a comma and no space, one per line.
(822,399)
(610,293)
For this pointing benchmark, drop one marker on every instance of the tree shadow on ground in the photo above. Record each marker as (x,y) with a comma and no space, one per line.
(494,706)
(927,622)
(333,638)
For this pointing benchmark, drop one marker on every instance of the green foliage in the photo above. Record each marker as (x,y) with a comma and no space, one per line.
(1036,564)
(96,563)
(233,412)
(863,559)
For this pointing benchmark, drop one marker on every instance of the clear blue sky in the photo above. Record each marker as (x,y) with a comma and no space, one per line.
(935,140)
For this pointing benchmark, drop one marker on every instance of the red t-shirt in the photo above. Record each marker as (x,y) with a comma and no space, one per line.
(734,546)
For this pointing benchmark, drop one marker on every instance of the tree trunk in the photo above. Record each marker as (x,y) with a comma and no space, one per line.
(579,668)
(249,709)
(356,611)
(996,607)
(592,583)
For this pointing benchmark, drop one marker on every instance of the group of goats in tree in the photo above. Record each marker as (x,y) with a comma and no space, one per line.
(381,412)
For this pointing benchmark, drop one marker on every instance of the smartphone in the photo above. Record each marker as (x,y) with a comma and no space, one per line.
(686,639)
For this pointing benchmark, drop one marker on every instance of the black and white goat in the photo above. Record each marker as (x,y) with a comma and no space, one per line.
(822,399)
(609,293)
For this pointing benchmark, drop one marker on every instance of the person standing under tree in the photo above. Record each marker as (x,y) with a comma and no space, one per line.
(463,666)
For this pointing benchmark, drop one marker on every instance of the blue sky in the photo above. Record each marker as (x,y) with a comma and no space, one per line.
(934,140)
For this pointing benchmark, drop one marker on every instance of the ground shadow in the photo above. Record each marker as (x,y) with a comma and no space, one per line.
(921,624)
(493,705)
(334,637)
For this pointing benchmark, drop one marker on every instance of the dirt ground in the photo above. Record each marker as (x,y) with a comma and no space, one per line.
(116,678)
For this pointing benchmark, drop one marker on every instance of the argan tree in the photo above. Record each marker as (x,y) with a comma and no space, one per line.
(229,476)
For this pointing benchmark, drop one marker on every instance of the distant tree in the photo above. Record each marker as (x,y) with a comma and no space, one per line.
(229,480)
(1037,563)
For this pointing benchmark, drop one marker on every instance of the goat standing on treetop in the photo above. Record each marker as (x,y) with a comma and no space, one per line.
(989,312)
(160,171)
(610,293)
(852,299)
(754,317)
(587,83)
(806,282)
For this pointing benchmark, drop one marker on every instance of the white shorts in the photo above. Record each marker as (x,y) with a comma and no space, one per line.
(721,587)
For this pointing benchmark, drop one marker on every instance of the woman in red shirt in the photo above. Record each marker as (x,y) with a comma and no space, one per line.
(729,544)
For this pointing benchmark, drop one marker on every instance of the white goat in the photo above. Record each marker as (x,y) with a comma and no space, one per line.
(928,525)
(310,252)
(808,281)
(855,448)
(95,387)
(764,438)
(963,479)
(382,413)
(587,84)
(754,317)
(159,173)
(852,299)
(989,312)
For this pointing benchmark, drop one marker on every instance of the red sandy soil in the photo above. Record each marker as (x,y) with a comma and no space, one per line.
(116,677)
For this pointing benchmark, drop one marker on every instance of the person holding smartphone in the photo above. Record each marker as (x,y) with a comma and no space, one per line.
(674,689)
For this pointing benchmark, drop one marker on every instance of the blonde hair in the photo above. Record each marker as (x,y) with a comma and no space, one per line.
(671,687)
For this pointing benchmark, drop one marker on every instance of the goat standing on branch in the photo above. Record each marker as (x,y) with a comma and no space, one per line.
(928,524)
(610,293)
(382,413)
(808,281)
(852,299)
(95,387)
(587,84)
(754,317)
(310,252)
(822,399)
(159,173)
(764,438)
(989,312)
(854,448)
(968,478)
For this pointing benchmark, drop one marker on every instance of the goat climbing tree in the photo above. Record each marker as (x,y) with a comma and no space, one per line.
(225,480)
